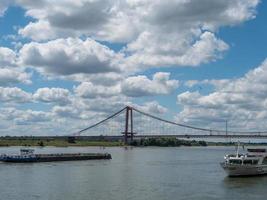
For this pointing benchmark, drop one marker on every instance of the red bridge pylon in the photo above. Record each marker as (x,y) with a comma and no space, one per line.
(128,132)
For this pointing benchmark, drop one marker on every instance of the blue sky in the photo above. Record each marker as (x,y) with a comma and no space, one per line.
(191,63)
(248,47)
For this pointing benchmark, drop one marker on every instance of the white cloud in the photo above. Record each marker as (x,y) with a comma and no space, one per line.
(152,107)
(25,117)
(124,20)
(30,117)
(32,29)
(191,83)
(89,90)
(69,56)
(156,33)
(102,105)
(14,94)
(241,101)
(7,57)
(104,79)
(52,95)
(217,83)
(174,50)
(138,86)
(153,33)
(65,111)
(10,72)
(99,19)
(11,76)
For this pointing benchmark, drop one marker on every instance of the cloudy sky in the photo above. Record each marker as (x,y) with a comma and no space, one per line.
(66,64)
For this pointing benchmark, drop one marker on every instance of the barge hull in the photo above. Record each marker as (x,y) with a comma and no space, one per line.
(58,157)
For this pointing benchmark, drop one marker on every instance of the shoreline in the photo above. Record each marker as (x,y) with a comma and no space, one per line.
(167,142)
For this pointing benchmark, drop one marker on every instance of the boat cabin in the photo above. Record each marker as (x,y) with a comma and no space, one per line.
(27,152)
(253,157)
(240,161)
(257,150)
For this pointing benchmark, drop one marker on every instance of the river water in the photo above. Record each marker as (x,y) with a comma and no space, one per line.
(151,173)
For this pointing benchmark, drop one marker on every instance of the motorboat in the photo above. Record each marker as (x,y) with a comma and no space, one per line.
(253,162)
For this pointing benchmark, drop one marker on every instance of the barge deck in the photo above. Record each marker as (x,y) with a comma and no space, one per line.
(27,155)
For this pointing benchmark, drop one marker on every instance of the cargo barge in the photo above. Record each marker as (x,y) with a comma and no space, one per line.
(28,155)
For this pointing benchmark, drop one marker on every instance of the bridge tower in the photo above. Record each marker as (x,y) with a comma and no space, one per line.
(128,131)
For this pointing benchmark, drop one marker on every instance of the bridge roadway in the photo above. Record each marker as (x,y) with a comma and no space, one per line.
(205,136)
(188,136)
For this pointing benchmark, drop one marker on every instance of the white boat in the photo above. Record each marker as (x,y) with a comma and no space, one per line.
(254,162)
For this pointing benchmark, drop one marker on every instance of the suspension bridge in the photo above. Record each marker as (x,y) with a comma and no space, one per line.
(129,123)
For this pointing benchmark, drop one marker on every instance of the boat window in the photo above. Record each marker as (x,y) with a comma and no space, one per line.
(264,162)
(248,162)
(255,162)
(235,161)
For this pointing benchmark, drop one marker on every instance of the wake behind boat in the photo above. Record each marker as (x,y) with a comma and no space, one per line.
(254,162)
(28,155)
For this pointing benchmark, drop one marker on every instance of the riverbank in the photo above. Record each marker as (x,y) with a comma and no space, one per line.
(167,142)
(65,142)
(57,142)
(79,142)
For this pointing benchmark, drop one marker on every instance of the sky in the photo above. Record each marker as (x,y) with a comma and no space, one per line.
(66,64)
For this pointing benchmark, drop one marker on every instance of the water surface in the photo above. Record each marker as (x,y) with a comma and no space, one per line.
(151,173)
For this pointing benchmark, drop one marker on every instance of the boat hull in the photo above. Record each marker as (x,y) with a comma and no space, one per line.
(55,157)
(244,170)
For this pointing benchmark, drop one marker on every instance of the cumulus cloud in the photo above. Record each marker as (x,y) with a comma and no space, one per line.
(32,29)
(25,117)
(151,107)
(11,76)
(66,111)
(116,20)
(74,40)
(217,83)
(69,56)
(156,33)
(242,101)
(102,104)
(10,72)
(89,90)
(98,19)
(52,95)
(106,79)
(157,51)
(14,94)
(30,117)
(7,57)
(138,86)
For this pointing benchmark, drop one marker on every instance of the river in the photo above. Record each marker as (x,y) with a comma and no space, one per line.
(150,173)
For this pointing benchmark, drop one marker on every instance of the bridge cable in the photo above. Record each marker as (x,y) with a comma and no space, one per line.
(193,127)
(102,121)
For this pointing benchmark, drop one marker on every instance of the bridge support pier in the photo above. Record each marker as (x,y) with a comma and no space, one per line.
(128,133)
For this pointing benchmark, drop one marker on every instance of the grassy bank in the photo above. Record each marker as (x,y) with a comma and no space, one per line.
(167,142)
(64,142)
(56,142)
